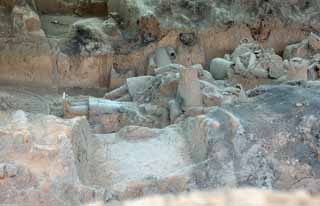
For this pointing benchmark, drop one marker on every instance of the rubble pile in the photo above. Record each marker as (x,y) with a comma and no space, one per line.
(103,102)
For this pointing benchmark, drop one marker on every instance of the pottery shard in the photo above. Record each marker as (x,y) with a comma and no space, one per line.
(137,86)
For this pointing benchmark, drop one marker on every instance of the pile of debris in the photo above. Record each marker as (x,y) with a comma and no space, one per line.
(158,100)
(252,62)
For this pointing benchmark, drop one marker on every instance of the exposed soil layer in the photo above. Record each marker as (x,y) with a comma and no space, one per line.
(102,102)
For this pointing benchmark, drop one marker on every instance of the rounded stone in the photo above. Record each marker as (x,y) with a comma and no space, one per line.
(219,68)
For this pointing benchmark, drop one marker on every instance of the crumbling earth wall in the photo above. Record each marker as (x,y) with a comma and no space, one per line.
(31,55)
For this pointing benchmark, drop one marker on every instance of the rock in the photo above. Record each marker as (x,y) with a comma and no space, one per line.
(48,162)
(219,68)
